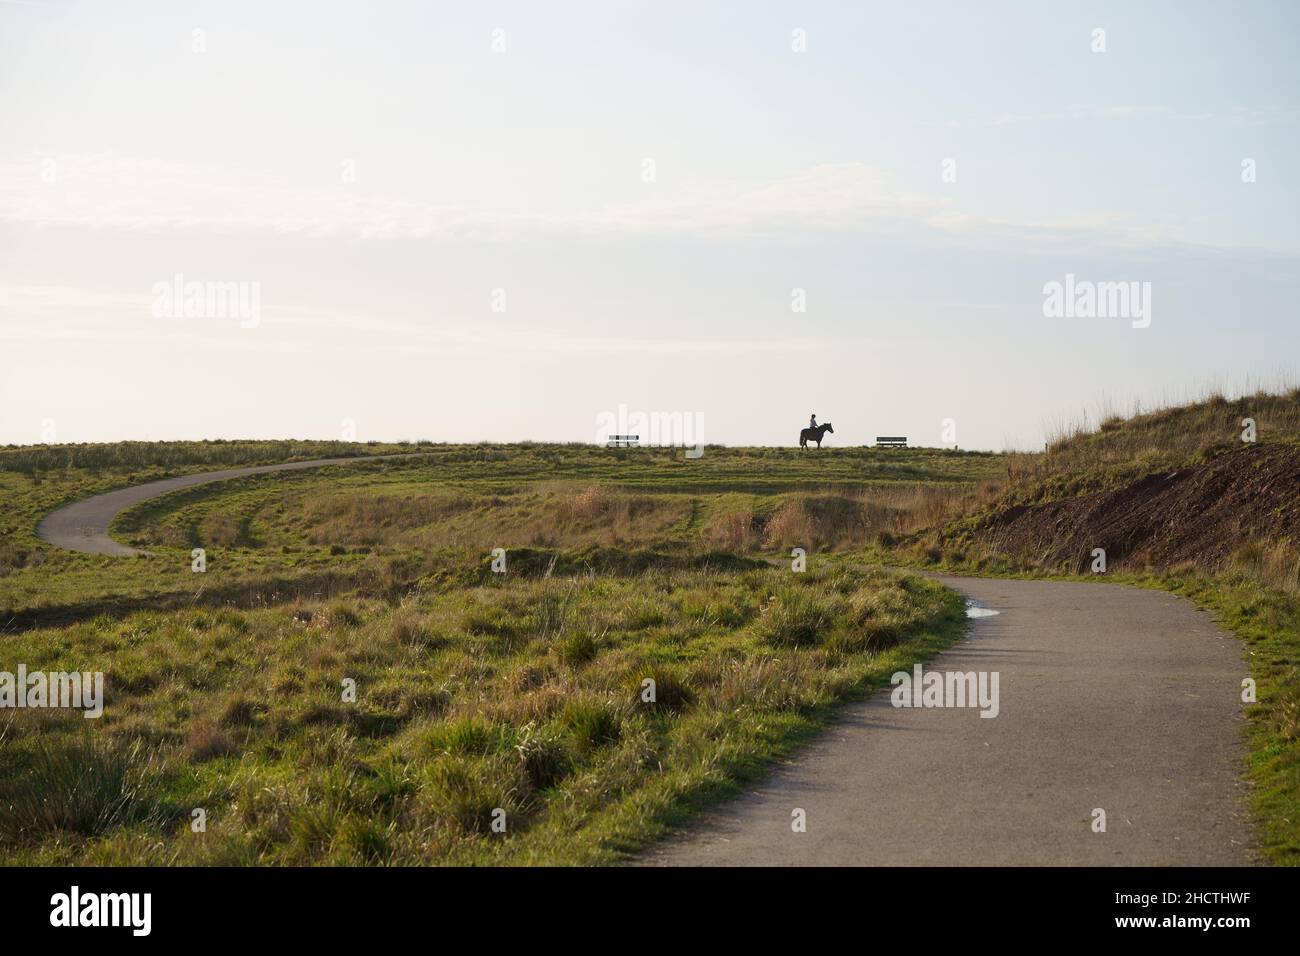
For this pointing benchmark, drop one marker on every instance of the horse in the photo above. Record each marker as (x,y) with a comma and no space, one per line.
(814,434)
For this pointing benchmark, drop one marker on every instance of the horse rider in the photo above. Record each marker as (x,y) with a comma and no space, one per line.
(812,420)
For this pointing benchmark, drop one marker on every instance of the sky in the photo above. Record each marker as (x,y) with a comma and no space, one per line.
(504,221)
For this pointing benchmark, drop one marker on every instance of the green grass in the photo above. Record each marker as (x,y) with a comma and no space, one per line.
(636,662)
(527,694)
(541,716)
(1268,622)
(324,531)
(138,456)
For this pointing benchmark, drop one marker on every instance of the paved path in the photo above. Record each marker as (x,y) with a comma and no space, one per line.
(83,525)
(1111,697)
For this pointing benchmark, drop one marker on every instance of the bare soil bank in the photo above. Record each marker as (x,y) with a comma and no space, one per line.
(1200,515)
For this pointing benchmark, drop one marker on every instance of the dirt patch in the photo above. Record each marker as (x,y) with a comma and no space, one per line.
(1197,515)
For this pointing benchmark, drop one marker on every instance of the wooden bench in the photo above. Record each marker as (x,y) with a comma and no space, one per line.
(622,441)
(891,441)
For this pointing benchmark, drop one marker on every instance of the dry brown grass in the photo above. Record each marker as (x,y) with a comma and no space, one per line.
(734,529)
(827,521)
(597,503)
(548,514)
(357,519)
(207,741)
(1274,564)
(220,531)
(601,514)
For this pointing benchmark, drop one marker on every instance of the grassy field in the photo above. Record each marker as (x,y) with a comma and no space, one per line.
(520,698)
(384,526)
(484,697)
(526,698)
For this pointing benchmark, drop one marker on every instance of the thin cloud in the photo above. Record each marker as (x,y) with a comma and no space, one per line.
(1237,116)
(56,313)
(107,191)
(110,192)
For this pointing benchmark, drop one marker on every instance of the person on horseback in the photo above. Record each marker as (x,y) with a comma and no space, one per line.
(814,432)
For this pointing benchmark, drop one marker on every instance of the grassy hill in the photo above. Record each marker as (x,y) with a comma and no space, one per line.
(522,692)
(396,522)
(476,692)
(1177,488)
(1123,449)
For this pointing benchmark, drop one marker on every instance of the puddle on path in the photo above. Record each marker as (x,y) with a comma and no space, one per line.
(974,610)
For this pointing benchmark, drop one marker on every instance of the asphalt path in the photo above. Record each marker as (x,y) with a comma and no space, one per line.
(1110,698)
(83,525)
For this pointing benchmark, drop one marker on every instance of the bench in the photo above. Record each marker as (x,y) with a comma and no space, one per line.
(891,441)
(622,441)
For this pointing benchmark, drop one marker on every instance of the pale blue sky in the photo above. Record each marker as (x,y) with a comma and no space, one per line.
(126,157)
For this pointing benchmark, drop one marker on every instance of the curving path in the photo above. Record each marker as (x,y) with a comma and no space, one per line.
(1110,697)
(83,525)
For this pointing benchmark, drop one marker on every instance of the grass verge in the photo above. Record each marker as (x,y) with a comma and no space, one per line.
(536,719)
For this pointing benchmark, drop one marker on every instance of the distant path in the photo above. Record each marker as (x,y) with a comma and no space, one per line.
(1111,697)
(83,525)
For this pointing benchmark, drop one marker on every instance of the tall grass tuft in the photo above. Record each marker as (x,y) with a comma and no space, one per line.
(591,723)
(576,648)
(81,787)
(798,617)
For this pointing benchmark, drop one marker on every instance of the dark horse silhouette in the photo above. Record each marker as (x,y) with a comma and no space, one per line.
(814,434)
